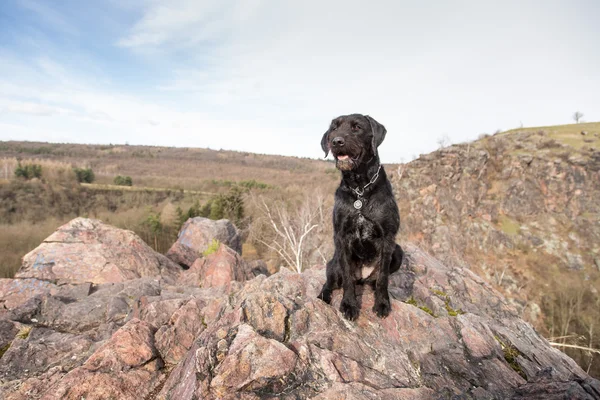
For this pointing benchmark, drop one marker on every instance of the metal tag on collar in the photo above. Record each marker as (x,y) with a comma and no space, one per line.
(358,204)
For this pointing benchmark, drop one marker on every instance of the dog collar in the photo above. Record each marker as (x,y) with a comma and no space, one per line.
(360,192)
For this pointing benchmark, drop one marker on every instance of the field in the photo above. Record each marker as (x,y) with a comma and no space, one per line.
(167,182)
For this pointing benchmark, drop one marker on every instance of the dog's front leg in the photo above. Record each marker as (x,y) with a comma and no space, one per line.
(382,306)
(334,273)
(349,306)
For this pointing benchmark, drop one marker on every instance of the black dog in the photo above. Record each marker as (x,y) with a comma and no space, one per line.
(365,215)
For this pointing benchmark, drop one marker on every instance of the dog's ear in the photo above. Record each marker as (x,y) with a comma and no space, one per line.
(325,142)
(379,132)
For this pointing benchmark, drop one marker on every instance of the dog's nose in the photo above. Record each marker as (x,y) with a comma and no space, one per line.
(338,141)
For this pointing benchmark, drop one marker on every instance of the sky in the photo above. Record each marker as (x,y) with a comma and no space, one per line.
(268,76)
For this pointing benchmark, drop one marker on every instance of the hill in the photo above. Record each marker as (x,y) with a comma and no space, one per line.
(171,167)
(521,207)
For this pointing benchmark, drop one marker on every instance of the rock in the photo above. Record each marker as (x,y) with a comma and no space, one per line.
(108,304)
(36,350)
(577,159)
(259,267)
(8,331)
(126,367)
(31,388)
(251,364)
(197,234)
(545,386)
(176,337)
(87,250)
(574,261)
(474,345)
(157,310)
(66,327)
(17,292)
(217,269)
(358,391)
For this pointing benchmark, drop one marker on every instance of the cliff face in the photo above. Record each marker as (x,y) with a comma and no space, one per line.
(163,333)
(520,208)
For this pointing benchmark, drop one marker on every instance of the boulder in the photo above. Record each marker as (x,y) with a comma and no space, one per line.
(219,269)
(87,250)
(197,234)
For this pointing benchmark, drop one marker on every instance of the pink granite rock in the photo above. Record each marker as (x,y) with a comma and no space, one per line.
(87,250)
(197,234)
(217,269)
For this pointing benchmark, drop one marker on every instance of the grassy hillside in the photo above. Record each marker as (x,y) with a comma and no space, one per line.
(568,135)
(173,167)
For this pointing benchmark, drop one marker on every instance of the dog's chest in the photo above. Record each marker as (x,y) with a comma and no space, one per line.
(366,248)
(364,271)
(363,241)
(364,228)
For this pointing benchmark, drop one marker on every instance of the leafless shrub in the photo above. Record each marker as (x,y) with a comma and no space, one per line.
(294,232)
(443,141)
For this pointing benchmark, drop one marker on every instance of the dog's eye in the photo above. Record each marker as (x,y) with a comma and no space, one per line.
(355,128)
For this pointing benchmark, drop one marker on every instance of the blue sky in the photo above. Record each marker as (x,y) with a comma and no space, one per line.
(268,76)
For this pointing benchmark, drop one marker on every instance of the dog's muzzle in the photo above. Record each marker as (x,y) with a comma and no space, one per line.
(344,163)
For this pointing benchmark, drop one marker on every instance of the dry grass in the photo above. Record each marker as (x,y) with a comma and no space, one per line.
(18,239)
(569,135)
(175,168)
(52,170)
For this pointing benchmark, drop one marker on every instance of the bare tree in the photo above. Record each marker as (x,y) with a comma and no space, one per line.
(443,141)
(577,116)
(291,230)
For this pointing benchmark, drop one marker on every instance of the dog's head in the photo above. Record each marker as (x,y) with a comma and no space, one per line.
(353,139)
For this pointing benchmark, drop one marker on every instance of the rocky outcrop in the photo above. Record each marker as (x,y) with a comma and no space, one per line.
(450,335)
(86,250)
(220,269)
(503,198)
(520,208)
(197,234)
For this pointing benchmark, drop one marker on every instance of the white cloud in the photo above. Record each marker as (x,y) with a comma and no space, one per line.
(268,76)
(23,107)
(178,23)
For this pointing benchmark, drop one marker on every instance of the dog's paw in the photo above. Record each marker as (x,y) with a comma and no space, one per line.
(382,308)
(350,310)
(325,295)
